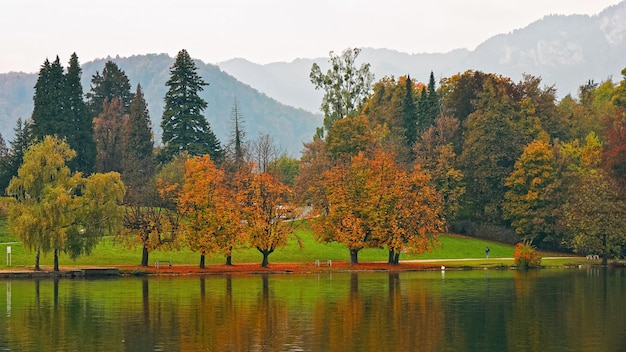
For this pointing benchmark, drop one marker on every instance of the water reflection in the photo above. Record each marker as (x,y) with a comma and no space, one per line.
(547,310)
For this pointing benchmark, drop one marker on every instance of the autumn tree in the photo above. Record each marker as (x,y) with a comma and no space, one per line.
(594,211)
(345,86)
(531,199)
(265,205)
(406,210)
(184,126)
(211,215)
(158,225)
(57,210)
(494,139)
(435,152)
(596,216)
(109,136)
(349,206)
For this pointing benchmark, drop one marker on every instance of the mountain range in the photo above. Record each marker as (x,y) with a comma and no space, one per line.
(279,99)
(565,51)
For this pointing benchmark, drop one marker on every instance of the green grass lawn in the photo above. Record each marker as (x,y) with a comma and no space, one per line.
(108,252)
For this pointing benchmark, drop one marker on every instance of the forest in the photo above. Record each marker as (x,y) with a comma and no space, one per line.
(396,163)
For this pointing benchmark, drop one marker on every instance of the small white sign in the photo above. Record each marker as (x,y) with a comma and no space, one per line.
(8,249)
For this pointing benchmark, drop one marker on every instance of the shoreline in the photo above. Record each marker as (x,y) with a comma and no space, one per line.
(255,268)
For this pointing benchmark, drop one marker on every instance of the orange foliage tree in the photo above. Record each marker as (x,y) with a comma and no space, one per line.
(211,216)
(371,202)
(266,206)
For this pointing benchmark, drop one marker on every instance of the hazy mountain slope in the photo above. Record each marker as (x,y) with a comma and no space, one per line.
(564,50)
(289,126)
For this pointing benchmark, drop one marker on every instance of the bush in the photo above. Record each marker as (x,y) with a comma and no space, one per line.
(526,256)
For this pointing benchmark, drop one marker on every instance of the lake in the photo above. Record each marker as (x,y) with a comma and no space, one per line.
(491,310)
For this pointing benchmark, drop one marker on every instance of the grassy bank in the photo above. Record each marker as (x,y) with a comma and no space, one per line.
(110,252)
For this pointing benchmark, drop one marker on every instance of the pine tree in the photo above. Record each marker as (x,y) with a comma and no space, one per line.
(59,110)
(48,100)
(428,106)
(138,164)
(184,126)
(79,129)
(113,83)
(409,114)
(4,150)
(13,160)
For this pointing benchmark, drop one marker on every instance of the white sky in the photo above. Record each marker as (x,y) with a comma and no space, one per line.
(261,31)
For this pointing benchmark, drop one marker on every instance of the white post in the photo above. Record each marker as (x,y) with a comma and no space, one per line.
(9,256)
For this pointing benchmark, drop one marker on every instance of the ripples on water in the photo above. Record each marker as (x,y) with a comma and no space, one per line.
(491,310)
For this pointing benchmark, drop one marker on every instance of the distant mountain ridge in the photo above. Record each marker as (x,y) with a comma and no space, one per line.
(289,126)
(565,51)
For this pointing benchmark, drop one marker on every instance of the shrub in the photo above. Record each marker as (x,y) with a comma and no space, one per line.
(526,256)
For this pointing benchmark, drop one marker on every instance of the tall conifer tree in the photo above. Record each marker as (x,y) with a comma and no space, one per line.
(79,129)
(48,100)
(13,160)
(138,163)
(113,83)
(184,126)
(409,114)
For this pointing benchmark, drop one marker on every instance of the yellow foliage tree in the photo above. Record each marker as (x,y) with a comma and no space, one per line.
(56,210)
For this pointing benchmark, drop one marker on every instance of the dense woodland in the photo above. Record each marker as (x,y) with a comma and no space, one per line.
(395,163)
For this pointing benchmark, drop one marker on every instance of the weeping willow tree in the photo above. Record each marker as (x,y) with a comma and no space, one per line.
(60,211)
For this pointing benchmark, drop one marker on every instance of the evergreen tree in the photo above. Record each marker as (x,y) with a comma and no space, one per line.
(409,114)
(113,83)
(59,110)
(4,150)
(184,126)
(79,128)
(48,100)
(13,160)
(138,164)
(428,106)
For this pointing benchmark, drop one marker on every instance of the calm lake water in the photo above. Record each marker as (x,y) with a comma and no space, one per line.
(492,310)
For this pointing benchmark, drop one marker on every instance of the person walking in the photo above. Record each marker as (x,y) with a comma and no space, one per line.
(487,250)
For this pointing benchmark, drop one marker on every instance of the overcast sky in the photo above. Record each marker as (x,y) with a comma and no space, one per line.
(261,31)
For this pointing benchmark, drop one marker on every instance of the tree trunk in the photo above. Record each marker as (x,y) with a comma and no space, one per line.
(354,257)
(390,257)
(265,261)
(266,253)
(37,255)
(229,260)
(396,258)
(56,259)
(144,256)
(201,261)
